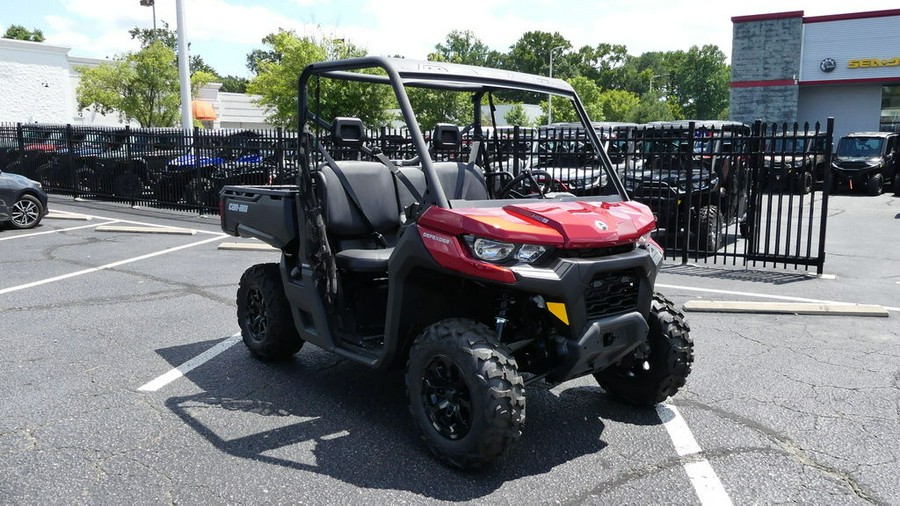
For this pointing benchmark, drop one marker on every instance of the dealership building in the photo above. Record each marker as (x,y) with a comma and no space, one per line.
(788,68)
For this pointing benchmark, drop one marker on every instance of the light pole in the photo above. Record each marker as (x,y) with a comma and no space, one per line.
(550,96)
(151,3)
(651,82)
(187,119)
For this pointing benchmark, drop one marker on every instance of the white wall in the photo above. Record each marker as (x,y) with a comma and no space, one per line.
(34,82)
(855,108)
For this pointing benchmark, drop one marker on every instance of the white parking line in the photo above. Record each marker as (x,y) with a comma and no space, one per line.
(142,223)
(761,295)
(109,265)
(190,365)
(57,230)
(701,474)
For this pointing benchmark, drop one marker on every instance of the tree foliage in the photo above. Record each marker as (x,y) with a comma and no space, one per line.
(141,86)
(518,116)
(19,32)
(283,62)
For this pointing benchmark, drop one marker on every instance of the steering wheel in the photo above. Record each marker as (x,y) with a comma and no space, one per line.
(509,189)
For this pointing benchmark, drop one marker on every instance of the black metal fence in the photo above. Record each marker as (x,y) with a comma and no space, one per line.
(722,192)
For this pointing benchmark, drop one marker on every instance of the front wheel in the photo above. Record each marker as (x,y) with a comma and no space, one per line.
(264,314)
(875,185)
(26,212)
(465,393)
(709,228)
(657,368)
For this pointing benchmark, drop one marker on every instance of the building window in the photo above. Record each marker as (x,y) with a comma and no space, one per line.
(890,108)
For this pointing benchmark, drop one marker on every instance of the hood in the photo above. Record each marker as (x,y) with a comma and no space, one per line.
(856,162)
(562,224)
(16,178)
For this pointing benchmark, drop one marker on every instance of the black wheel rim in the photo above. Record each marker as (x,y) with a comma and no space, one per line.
(446,398)
(24,213)
(256,314)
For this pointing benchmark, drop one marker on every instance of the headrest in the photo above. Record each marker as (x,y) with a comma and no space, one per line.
(446,136)
(348,132)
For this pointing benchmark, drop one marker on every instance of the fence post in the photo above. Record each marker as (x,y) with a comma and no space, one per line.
(20,137)
(128,163)
(279,156)
(829,132)
(197,174)
(687,160)
(70,155)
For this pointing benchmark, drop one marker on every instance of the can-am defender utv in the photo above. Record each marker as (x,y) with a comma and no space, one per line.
(478,281)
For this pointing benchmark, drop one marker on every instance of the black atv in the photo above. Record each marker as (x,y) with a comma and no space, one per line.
(433,266)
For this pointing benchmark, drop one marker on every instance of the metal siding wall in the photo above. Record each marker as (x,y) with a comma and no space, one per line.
(850,39)
(855,108)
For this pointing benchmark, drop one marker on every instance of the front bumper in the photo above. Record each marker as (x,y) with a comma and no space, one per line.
(606,302)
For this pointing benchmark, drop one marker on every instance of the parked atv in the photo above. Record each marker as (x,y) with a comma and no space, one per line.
(694,178)
(432,267)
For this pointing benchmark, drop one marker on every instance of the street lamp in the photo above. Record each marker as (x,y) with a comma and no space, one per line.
(550,96)
(151,3)
(651,82)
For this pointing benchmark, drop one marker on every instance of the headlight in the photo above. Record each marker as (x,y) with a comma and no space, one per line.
(493,251)
(655,250)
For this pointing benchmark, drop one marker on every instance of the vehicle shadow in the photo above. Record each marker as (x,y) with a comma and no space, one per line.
(321,414)
(737,274)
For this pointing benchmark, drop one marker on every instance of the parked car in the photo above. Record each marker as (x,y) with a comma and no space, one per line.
(23,203)
(795,163)
(866,160)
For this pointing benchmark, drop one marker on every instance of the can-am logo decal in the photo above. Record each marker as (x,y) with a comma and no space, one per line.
(601,225)
(240,208)
(828,64)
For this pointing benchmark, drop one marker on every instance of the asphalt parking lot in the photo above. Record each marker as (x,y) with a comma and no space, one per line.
(124,381)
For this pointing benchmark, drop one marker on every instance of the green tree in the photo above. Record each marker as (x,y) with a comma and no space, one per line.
(19,32)
(699,82)
(591,98)
(234,84)
(616,104)
(169,37)
(466,48)
(605,64)
(518,116)
(531,54)
(141,86)
(650,108)
(276,82)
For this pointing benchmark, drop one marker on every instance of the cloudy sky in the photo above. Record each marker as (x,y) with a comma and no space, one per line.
(224,31)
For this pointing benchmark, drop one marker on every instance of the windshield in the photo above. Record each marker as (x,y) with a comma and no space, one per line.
(862,147)
(797,145)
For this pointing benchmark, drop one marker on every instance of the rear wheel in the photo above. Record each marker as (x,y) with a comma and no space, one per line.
(875,185)
(128,186)
(465,393)
(200,192)
(264,314)
(658,368)
(804,182)
(85,180)
(26,212)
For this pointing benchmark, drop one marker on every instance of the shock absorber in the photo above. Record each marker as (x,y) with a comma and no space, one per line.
(500,320)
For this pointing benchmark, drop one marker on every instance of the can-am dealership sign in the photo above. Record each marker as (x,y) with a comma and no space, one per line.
(838,48)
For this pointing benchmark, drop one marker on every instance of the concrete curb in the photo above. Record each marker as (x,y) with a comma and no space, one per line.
(131,229)
(73,217)
(795,308)
(246,246)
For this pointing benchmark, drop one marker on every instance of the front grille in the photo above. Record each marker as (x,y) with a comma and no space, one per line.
(595,252)
(611,293)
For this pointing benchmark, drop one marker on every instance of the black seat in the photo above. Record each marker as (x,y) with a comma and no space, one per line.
(462,181)
(362,234)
